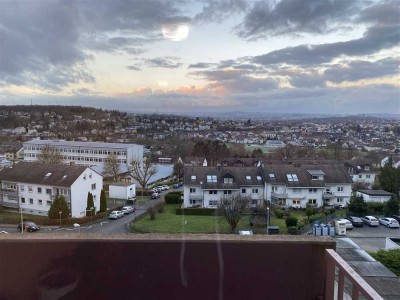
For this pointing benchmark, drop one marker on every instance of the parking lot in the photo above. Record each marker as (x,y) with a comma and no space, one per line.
(372,238)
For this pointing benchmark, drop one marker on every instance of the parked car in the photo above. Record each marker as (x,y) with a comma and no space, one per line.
(349,225)
(396,218)
(370,221)
(340,206)
(356,221)
(29,226)
(116,214)
(166,187)
(155,196)
(127,209)
(389,222)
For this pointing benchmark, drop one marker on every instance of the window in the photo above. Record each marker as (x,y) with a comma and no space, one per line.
(340,189)
(248,177)
(93,186)
(211,178)
(30,201)
(254,191)
(254,202)
(212,192)
(258,178)
(359,176)
(339,200)
(193,177)
(314,177)
(30,188)
(48,191)
(227,192)
(368,176)
(48,203)
(312,190)
(366,168)
(22,200)
(192,190)
(84,177)
(296,201)
(274,188)
(292,177)
(39,190)
(243,191)
(90,175)
(312,201)
(22,188)
(213,202)
(228,180)
(191,201)
(40,202)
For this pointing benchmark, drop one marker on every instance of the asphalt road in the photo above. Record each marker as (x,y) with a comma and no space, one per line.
(105,226)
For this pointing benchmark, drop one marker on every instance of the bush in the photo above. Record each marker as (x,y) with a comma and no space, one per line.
(389,258)
(197,211)
(279,213)
(293,230)
(291,222)
(152,212)
(287,213)
(375,207)
(173,198)
(160,207)
(315,218)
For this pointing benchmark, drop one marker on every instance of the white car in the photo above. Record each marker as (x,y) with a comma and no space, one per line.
(116,214)
(127,209)
(166,187)
(370,221)
(389,222)
(349,226)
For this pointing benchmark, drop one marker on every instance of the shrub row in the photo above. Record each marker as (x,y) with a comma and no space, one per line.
(197,211)
(173,198)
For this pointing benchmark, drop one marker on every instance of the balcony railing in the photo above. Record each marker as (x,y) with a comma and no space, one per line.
(328,195)
(338,271)
(279,195)
(9,192)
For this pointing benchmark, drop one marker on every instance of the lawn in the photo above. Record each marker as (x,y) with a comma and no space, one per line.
(169,222)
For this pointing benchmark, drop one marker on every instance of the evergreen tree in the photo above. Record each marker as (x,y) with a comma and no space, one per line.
(389,177)
(358,205)
(103,201)
(89,205)
(392,206)
(59,204)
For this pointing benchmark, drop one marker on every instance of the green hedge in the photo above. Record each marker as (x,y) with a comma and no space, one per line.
(196,211)
(173,198)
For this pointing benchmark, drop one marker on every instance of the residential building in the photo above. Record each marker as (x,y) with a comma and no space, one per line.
(205,186)
(85,153)
(374,195)
(122,190)
(296,185)
(33,187)
(274,144)
(361,172)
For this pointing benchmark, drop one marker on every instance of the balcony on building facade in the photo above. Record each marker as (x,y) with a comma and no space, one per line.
(328,195)
(9,192)
(278,195)
(244,267)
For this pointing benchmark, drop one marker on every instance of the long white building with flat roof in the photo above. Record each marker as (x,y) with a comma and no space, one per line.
(85,153)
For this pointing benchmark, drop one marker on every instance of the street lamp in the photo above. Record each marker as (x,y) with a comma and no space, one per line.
(20,208)
(60,212)
(267,220)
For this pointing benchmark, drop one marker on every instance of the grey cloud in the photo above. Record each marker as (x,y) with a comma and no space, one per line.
(374,40)
(386,12)
(268,18)
(359,69)
(163,62)
(201,65)
(217,10)
(304,80)
(133,68)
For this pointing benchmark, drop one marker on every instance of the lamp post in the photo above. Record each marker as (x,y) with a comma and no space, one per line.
(20,208)
(267,220)
(60,212)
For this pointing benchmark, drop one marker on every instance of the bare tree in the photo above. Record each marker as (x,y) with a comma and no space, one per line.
(142,171)
(178,169)
(111,167)
(232,208)
(50,155)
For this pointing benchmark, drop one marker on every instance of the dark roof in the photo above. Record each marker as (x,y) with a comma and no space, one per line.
(334,173)
(238,173)
(35,173)
(359,166)
(375,192)
(237,162)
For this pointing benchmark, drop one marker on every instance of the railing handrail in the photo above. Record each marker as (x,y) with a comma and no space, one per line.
(358,283)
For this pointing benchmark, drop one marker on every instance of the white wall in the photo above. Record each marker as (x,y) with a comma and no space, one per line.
(369,198)
(122,192)
(36,208)
(80,189)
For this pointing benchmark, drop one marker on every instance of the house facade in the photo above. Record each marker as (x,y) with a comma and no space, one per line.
(205,186)
(296,185)
(85,153)
(34,186)
(374,195)
(361,172)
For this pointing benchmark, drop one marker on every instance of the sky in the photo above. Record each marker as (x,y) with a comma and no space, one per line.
(208,56)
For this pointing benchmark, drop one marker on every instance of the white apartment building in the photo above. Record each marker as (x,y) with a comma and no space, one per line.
(296,185)
(33,186)
(205,186)
(361,172)
(85,153)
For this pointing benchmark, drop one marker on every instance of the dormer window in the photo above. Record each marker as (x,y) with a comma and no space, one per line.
(248,177)
(211,178)
(228,180)
(366,168)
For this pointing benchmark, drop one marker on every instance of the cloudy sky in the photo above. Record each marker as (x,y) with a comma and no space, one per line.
(180,56)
